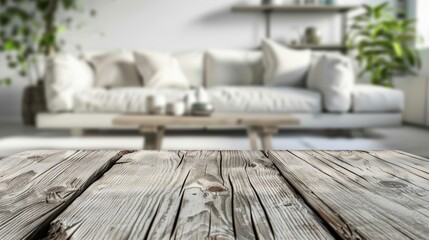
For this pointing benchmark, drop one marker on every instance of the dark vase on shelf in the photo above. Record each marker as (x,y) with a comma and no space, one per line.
(312,36)
(272,2)
(330,2)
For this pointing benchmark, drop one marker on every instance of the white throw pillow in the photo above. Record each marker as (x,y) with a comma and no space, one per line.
(233,68)
(284,66)
(66,76)
(334,77)
(160,70)
(115,69)
(192,65)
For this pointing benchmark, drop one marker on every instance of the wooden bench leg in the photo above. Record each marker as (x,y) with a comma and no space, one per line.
(153,137)
(267,141)
(252,133)
(262,133)
(266,135)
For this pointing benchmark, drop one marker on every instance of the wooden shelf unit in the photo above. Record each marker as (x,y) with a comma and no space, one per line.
(293,9)
(329,47)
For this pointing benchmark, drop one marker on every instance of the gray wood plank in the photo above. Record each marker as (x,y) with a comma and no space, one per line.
(205,212)
(365,195)
(137,199)
(190,195)
(264,204)
(36,186)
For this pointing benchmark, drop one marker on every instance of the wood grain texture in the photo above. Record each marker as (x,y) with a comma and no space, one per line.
(36,186)
(190,195)
(137,199)
(264,205)
(362,195)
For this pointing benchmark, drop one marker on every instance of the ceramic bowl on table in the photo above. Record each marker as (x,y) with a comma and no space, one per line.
(202,109)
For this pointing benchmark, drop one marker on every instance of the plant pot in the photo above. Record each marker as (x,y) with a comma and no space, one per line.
(33,102)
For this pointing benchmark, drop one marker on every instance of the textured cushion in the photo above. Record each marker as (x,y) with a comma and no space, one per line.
(121,100)
(65,76)
(115,69)
(233,68)
(265,99)
(316,55)
(333,76)
(369,98)
(284,66)
(192,65)
(160,70)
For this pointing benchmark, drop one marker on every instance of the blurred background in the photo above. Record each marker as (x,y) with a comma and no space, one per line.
(69,68)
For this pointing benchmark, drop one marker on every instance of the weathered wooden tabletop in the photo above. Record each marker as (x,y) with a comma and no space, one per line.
(214,195)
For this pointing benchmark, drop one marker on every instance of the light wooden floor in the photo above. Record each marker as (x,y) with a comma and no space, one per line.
(16,138)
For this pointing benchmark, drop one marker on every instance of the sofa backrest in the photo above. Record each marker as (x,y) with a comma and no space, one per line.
(114,69)
(233,68)
(192,64)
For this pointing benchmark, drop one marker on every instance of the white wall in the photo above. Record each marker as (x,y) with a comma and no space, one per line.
(174,25)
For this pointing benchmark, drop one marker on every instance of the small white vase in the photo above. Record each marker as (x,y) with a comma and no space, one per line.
(156,105)
(189,100)
(176,109)
(202,95)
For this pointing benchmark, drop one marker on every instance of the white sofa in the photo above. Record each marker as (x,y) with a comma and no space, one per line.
(234,80)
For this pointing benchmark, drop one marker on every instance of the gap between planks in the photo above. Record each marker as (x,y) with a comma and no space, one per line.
(44,231)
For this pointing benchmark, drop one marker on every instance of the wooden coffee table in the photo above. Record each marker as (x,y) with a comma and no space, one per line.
(214,195)
(259,126)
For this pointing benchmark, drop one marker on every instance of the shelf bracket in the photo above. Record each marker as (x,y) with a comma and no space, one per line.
(267,15)
(344,27)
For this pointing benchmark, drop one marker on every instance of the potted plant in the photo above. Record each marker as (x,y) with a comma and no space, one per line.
(383,44)
(29,31)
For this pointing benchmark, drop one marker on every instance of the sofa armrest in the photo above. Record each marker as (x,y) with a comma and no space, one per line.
(65,76)
(370,98)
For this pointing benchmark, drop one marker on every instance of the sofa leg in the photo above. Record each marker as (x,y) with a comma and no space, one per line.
(76,132)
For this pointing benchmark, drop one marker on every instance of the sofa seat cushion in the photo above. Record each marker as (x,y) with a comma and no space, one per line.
(369,98)
(121,100)
(265,99)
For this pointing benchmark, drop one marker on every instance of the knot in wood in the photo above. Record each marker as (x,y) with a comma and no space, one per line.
(216,189)
(218,237)
(393,184)
(35,158)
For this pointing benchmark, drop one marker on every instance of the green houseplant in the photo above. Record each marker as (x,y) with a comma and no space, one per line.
(383,45)
(29,29)
(29,33)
